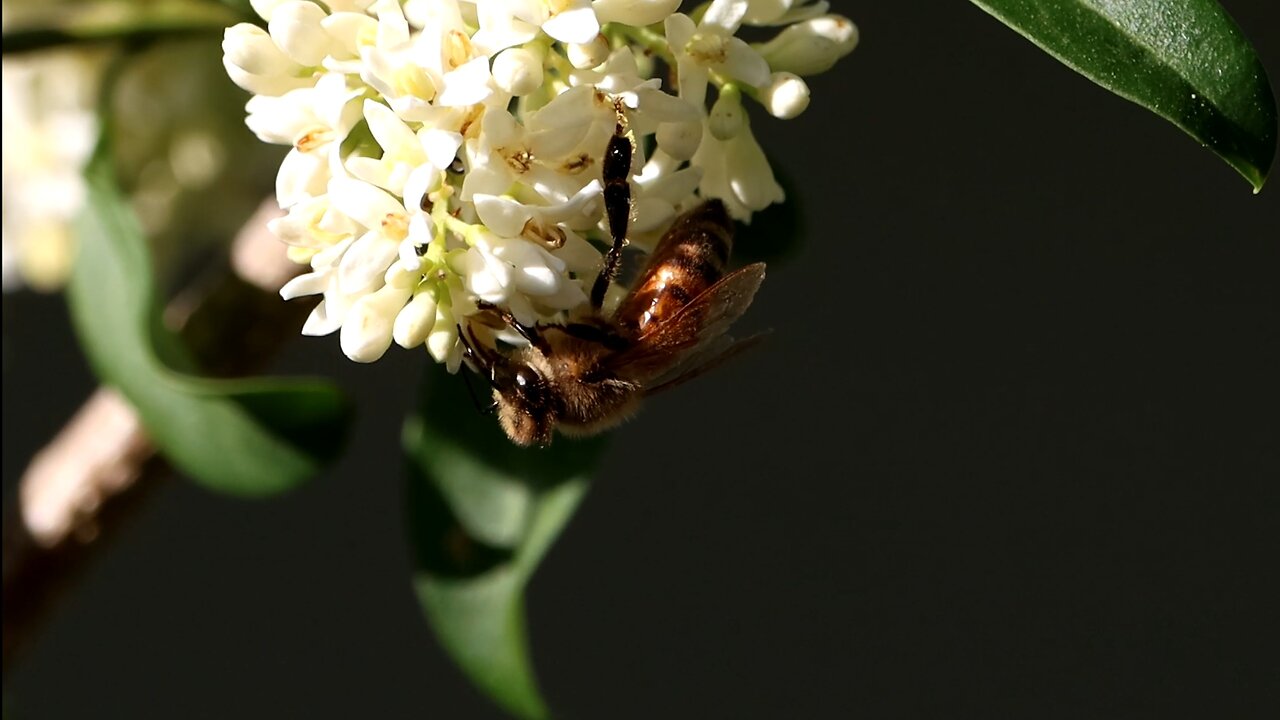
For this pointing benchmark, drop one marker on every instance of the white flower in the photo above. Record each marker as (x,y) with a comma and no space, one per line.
(710,46)
(540,156)
(315,121)
(517,71)
(727,117)
(650,106)
(442,341)
(811,47)
(408,159)
(448,153)
(311,226)
(540,222)
(588,55)
(782,12)
(661,190)
(295,28)
(786,96)
(368,325)
(255,63)
(416,321)
(737,171)
(516,273)
(49,131)
(637,13)
(386,225)
(571,21)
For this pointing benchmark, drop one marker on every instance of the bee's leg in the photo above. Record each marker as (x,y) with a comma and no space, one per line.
(475,399)
(479,364)
(469,352)
(617,206)
(528,332)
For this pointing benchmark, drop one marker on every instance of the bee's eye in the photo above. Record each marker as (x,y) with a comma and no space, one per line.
(519,377)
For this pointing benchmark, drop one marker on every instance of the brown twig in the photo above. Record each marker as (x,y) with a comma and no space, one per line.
(83,484)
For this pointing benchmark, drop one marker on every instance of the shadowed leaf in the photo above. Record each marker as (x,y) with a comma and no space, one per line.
(1185,60)
(483,512)
(252,436)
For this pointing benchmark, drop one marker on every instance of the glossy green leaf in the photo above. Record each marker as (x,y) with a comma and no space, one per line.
(1185,60)
(246,436)
(483,512)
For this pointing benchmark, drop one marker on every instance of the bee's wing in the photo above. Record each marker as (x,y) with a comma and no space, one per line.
(703,319)
(713,355)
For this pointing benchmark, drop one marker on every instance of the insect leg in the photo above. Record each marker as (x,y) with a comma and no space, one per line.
(617,205)
(528,332)
(475,399)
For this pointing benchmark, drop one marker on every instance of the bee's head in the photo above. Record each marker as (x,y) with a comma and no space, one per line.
(524,400)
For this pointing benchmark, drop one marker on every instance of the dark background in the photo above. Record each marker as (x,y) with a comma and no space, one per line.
(1012,451)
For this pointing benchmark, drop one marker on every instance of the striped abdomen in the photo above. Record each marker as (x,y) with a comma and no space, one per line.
(690,258)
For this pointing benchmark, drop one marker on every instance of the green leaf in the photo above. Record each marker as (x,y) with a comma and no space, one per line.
(36,27)
(483,512)
(1184,60)
(248,437)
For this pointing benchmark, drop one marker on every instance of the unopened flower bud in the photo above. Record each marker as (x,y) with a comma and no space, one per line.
(636,13)
(295,27)
(727,115)
(444,334)
(251,49)
(786,96)
(588,55)
(366,329)
(517,71)
(255,63)
(416,320)
(680,140)
(812,46)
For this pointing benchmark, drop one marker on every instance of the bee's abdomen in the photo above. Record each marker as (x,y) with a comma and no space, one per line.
(691,257)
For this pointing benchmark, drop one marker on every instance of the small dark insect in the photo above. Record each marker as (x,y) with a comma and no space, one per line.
(590,374)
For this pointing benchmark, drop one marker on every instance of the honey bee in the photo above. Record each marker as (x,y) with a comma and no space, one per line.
(591,373)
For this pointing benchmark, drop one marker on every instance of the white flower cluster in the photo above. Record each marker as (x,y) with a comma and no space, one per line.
(447,153)
(50,127)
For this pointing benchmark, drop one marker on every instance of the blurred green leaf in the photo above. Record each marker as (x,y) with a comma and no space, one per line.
(35,26)
(1185,60)
(483,512)
(248,437)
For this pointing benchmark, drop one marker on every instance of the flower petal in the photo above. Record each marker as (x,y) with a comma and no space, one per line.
(295,27)
(467,85)
(364,203)
(725,14)
(502,215)
(366,261)
(744,63)
(575,25)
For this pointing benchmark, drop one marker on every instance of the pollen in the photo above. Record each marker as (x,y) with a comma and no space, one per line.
(458,49)
(576,165)
(395,226)
(708,48)
(520,161)
(313,140)
(550,235)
